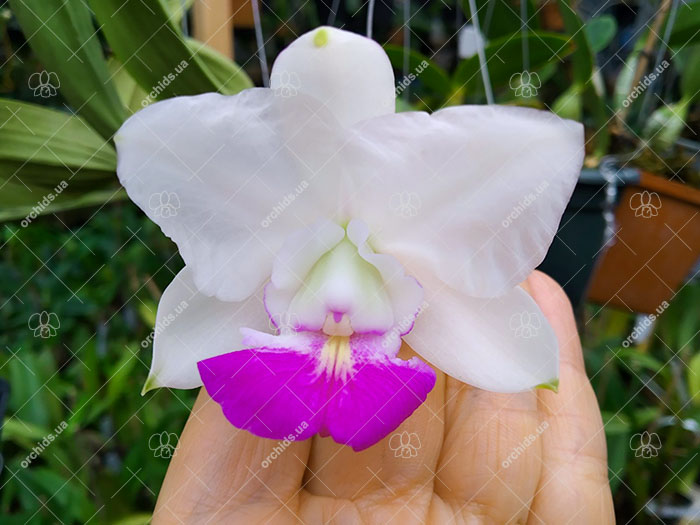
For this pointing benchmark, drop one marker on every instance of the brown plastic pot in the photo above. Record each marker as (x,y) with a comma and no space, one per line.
(655,248)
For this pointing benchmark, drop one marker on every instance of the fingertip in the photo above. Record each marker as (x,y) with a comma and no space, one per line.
(557,308)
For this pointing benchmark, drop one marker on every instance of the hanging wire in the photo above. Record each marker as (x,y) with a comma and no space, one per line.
(657,61)
(334,12)
(261,44)
(406,42)
(523,35)
(184,23)
(482,55)
(370,18)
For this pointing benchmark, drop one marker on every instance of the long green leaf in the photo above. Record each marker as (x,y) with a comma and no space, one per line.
(544,48)
(230,75)
(584,72)
(19,202)
(690,74)
(178,8)
(623,83)
(583,58)
(686,28)
(62,35)
(42,147)
(144,38)
(131,94)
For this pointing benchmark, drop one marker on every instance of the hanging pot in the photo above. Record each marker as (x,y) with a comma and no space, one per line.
(656,245)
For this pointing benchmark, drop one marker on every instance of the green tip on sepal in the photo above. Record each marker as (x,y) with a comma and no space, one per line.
(321,37)
(149,385)
(553,385)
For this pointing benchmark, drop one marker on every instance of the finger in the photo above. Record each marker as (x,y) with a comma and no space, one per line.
(574,484)
(489,464)
(220,473)
(390,475)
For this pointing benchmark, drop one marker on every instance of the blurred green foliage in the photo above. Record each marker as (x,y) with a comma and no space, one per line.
(100,273)
(648,385)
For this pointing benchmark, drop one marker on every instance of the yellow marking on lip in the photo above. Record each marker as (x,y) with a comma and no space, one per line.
(336,357)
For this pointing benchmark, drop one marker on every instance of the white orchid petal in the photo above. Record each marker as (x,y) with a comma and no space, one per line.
(229,177)
(301,250)
(474,193)
(321,271)
(502,344)
(191,326)
(405,293)
(349,73)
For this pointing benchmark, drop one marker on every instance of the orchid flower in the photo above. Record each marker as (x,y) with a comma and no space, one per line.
(316,224)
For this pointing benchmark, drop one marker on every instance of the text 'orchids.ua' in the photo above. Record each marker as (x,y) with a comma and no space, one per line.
(319,229)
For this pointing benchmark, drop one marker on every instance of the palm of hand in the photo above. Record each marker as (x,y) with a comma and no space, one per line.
(476,457)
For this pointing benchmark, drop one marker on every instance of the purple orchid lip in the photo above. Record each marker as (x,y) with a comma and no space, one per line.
(333,368)
(350,388)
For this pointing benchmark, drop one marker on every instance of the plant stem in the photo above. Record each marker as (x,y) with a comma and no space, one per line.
(644,56)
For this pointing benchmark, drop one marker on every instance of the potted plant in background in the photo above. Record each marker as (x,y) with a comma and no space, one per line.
(656,244)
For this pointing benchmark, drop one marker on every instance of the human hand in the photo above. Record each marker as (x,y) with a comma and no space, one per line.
(480,457)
